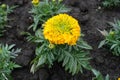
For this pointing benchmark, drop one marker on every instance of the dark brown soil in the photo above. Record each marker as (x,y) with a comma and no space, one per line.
(90,17)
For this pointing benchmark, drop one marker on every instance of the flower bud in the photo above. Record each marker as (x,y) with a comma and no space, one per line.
(53,0)
(3,5)
(60,0)
(112,33)
(51,46)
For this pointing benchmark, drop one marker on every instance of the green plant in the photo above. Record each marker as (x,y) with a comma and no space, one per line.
(45,9)
(4,11)
(6,65)
(99,76)
(74,58)
(111,3)
(59,40)
(112,38)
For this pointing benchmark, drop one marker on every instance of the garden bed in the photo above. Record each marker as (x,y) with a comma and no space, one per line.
(91,17)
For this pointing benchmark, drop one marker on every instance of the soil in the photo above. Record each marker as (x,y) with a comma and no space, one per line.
(91,17)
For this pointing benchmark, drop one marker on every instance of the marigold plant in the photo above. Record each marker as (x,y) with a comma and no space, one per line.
(62,29)
(60,40)
(112,38)
(111,3)
(45,9)
(99,76)
(4,11)
(7,52)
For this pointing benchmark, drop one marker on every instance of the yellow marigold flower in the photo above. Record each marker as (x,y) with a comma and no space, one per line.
(118,78)
(35,2)
(62,29)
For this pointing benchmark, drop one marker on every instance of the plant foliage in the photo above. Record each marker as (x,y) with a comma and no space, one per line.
(46,9)
(112,38)
(99,76)
(111,3)
(6,65)
(4,11)
(73,58)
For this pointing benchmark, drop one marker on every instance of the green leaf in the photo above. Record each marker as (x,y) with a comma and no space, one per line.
(41,61)
(11,46)
(66,59)
(45,10)
(17,66)
(107,77)
(75,68)
(97,74)
(82,44)
(61,57)
(114,45)
(102,43)
(6,65)
(33,68)
(74,61)
(50,58)
(40,49)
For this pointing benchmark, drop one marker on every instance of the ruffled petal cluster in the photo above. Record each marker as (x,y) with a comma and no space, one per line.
(62,29)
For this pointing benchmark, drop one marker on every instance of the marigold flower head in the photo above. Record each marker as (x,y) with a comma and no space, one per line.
(62,29)
(118,78)
(35,2)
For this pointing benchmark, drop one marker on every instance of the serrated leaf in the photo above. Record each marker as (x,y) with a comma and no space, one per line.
(50,58)
(75,67)
(71,65)
(60,58)
(65,61)
(39,49)
(84,45)
(41,61)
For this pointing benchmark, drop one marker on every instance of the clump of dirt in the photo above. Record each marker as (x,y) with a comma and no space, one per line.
(91,18)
